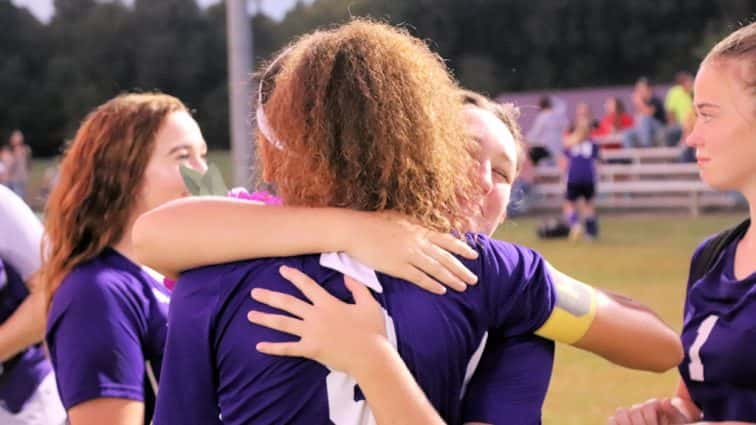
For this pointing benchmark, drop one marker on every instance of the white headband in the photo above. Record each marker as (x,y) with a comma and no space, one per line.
(264,126)
(262,120)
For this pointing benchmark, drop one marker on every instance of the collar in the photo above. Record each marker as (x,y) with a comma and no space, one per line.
(347,265)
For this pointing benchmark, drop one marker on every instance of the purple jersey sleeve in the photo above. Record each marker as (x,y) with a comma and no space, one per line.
(93,337)
(522,290)
(511,381)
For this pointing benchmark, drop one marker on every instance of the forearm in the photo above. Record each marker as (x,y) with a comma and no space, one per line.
(200,231)
(113,411)
(25,327)
(631,335)
(390,390)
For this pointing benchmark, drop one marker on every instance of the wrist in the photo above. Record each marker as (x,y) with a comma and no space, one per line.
(377,354)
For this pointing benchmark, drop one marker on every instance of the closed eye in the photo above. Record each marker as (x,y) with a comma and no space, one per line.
(502,175)
(704,116)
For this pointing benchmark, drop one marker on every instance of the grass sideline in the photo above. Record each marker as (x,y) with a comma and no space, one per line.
(645,257)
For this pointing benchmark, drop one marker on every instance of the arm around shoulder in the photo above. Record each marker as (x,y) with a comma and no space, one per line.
(612,326)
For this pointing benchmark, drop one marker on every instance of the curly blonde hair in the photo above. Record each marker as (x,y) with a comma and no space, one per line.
(368,118)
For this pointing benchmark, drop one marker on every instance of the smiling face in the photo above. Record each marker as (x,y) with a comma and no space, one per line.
(724,135)
(178,142)
(497,159)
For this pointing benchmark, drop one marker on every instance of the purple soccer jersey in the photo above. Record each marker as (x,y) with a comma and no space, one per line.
(106,332)
(718,337)
(21,375)
(582,162)
(510,384)
(213,371)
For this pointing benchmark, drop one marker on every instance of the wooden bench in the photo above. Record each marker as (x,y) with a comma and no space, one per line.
(642,155)
(637,185)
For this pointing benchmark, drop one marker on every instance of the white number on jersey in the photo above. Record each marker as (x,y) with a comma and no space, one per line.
(342,408)
(584,149)
(696,367)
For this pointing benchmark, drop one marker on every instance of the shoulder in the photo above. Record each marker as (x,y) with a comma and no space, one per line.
(95,285)
(506,256)
(203,288)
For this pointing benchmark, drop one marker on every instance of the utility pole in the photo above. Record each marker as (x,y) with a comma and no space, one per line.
(239,46)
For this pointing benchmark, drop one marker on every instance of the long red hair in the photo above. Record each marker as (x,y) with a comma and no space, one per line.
(100,178)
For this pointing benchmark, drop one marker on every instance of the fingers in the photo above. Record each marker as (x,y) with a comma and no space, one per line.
(276,322)
(649,413)
(674,411)
(281,301)
(621,417)
(451,264)
(419,278)
(453,245)
(307,286)
(360,292)
(636,415)
(639,414)
(428,265)
(289,349)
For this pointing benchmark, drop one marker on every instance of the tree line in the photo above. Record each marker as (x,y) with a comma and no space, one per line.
(52,74)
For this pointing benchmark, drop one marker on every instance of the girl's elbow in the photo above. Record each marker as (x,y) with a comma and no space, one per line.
(671,354)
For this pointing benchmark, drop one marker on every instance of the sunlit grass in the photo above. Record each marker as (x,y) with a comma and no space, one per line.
(646,258)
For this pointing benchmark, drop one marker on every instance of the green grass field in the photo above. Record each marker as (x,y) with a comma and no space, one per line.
(644,257)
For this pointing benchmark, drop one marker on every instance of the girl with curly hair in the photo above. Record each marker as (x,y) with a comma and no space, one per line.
(365,117)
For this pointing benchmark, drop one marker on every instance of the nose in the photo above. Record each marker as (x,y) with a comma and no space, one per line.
(486,179)
(693,140)
(199,164)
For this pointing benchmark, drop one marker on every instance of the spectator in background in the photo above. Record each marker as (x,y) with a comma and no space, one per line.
(679,106)
(547,133)
(680,114)
(20,164)
(5,161)
(615,119)
(650,118)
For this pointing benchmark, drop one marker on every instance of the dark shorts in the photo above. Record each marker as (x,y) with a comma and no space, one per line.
(537,153)
(576,191)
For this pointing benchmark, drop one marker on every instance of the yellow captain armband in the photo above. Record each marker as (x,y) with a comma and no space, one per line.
(574,310)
